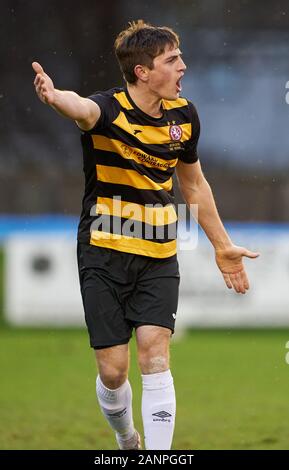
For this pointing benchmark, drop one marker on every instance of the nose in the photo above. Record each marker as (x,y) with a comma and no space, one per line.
(182,66)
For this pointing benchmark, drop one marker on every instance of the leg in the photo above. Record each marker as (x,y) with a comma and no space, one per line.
(158,401)
(113,365)
(114,393)
(109,334)
(153,348)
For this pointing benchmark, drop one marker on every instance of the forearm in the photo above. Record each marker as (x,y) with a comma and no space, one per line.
(69,104)
(208,217)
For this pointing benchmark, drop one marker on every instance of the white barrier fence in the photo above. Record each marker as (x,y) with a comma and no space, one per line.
(41,282)
(205,299)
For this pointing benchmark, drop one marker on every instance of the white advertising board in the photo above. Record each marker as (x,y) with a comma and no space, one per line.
(42,288)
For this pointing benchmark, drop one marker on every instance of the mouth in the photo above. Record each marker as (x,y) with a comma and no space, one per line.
(178,85)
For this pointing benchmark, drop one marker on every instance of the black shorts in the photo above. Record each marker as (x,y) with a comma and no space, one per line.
(121,291)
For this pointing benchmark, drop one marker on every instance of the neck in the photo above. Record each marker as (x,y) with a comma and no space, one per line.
(145,100)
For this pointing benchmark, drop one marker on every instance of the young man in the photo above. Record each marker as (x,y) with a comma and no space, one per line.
(133,138)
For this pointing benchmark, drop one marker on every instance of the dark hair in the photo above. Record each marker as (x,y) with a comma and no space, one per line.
(140,43)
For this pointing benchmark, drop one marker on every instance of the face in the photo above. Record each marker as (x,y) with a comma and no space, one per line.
(164,80)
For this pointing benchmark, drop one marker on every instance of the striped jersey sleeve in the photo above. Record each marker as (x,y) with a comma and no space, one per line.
(108,107)
(190,153)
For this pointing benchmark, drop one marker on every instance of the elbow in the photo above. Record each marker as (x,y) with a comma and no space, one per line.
(193,186)
(192,191)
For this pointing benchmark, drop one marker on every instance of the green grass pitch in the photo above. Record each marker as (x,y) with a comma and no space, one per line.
(232,390)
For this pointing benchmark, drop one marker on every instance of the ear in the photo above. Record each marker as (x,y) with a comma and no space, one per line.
(141,72)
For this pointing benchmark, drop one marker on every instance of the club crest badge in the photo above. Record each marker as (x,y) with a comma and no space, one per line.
(176,132)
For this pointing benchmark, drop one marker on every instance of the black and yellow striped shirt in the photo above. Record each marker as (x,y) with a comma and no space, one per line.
(129,161)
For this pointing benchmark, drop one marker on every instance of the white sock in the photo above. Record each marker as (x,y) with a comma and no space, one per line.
(116,405)
(158,410)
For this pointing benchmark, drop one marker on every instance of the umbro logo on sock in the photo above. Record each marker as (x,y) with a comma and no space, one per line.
(118,414)
(162,416)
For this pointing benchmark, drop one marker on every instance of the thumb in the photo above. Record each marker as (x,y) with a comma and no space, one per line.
(250,254)
(37,67)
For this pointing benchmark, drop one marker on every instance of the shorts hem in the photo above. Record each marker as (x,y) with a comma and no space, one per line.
(136,324)
(96,345)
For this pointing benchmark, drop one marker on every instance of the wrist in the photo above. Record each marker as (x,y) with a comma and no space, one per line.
(55,98)
(222,245)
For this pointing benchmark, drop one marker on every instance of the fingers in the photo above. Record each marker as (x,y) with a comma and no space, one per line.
(39,81)
(41,87)
(238,281)
(39,84)
(227,280)
(245,279)
(37,67)
(234,278)
(231,266)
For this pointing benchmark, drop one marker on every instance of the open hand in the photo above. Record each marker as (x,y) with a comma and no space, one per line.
(229,261)
(43,84)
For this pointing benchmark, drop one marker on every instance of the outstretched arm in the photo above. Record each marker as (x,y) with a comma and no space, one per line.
(196,190)
(69,104)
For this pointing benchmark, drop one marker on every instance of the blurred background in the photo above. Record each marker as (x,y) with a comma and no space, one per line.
(236,54)
(237,58)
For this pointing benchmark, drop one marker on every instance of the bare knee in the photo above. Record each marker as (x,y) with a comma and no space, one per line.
(113,366)
(111,377)
(153,349)
(151,362)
